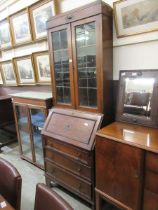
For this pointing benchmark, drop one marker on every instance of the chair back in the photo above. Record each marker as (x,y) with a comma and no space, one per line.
(10,183)
(47,199)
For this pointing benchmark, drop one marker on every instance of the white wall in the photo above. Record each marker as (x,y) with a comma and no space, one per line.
(134,52)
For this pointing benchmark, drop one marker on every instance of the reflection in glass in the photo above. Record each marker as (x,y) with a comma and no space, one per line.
(86,64)
(138,94)
(61,66)
(22,118)
(37,122)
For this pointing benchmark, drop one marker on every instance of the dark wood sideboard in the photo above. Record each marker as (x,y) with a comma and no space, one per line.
(68,141)
(7,124)
(127,167)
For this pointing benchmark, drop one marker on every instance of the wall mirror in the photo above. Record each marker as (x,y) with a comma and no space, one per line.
(138,97)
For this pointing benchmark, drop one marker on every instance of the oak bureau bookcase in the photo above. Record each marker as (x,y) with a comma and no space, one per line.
(80,45)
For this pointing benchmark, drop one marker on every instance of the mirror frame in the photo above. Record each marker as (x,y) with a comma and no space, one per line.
(137,119)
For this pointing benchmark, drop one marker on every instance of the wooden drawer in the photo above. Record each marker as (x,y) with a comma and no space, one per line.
(69,180)
(151,181)
(70,151)
(152,161)
(68,164)
(150,201)
(74,15)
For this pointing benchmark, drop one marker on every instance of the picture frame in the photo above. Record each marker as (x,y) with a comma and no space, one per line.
(135,17)
(21,27)
(25,70)
(1,79)
(39,14)
(5,34)
(8,73)
(42,67)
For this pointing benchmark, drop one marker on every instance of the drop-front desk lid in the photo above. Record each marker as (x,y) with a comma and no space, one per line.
(73,127)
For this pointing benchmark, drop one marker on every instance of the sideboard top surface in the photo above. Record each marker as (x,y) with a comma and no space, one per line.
(33,95)
(135,135)
(4,98)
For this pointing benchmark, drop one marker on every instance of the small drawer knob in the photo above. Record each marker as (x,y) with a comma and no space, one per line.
(135,120)
(79,169)
(69,17)
(78,156)
(136,175)
(79,186)
(53,170)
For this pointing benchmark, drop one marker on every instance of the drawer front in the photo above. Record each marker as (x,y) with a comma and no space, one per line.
(151,181)
(69,164)
(68,150)
(68,180)
(150,201)
(152,161)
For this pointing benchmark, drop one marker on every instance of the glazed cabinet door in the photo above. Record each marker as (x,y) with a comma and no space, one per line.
(37,119)
(61,63)
(86,38)
(23,131)
(119,173)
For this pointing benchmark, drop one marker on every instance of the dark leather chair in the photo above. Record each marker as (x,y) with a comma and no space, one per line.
(47,199)
(10,183)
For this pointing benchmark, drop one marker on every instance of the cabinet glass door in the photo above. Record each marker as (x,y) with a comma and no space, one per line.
(85,50)
(24,134)
(37,123)
(62,65)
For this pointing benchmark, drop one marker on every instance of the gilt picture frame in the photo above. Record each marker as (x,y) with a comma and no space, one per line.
(42,67)
(8,73)
(135,17)
(39,14)
(5,34)
(25,70)
(1,79)
(21,27)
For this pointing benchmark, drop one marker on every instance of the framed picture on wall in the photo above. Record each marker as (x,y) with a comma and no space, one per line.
(42,67)
(25,70)
(135,17)
(1,79)
(40,13)
(20,27)
(5,34)
(8,73)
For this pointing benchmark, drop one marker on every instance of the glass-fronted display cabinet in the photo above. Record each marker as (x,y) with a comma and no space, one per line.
(31,110)
(80,44)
